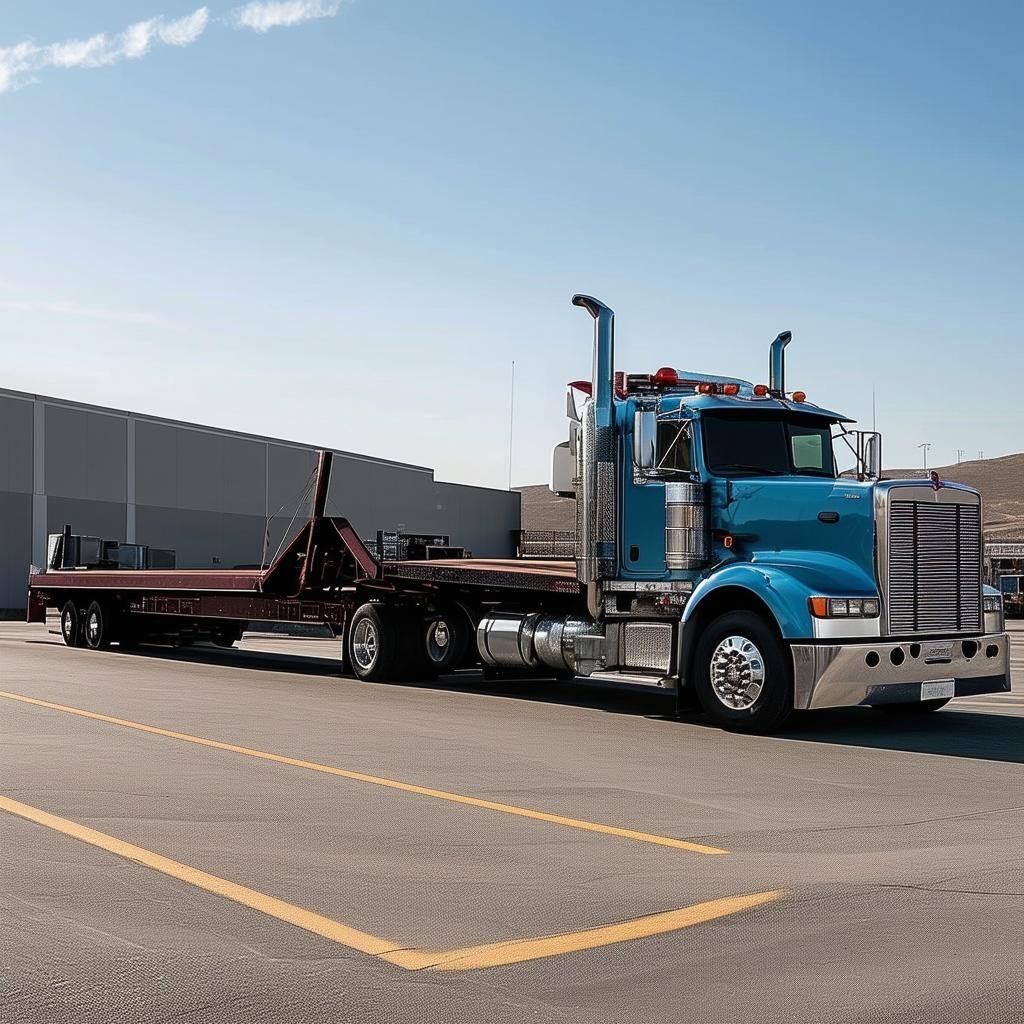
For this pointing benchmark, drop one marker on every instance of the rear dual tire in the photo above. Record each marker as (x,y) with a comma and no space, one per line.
(95,627)
(71,625)
(385,643)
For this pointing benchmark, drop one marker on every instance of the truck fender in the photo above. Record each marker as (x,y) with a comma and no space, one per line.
(766,589)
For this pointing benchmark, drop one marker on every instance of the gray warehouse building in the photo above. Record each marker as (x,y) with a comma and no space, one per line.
(205,492)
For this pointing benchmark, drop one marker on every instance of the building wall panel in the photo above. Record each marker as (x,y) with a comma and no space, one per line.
(104,519)
(15,547)
(86,454)
(290,470)
(15,445)
(178,467)
(202,539)
(479,519)
(376,496)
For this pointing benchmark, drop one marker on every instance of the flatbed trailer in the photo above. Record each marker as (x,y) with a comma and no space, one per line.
(323,575)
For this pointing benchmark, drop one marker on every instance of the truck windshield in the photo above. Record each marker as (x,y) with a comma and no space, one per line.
(767,444)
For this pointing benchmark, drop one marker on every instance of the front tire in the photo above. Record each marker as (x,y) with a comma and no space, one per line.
(742,675)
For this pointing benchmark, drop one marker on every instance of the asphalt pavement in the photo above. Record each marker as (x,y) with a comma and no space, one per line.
(217,836)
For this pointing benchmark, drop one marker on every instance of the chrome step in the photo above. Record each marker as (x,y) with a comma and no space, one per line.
(654,680)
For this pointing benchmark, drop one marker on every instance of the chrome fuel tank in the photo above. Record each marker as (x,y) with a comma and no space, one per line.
(686,526)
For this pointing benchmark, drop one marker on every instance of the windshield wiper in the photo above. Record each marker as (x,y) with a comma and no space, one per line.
(807,471)
(746,467)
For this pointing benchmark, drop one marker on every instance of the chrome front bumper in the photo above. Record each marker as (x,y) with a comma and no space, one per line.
(846,674)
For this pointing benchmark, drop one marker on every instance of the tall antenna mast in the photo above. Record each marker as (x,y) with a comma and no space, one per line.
(511,420)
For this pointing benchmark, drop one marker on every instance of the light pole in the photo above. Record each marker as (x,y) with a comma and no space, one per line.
(924,453)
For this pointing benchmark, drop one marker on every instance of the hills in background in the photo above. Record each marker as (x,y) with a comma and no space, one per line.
(1001,482)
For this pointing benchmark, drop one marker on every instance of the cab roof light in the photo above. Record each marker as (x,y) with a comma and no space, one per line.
(799,396)
(666,377)
(730,389)
(705,388)
(760,390)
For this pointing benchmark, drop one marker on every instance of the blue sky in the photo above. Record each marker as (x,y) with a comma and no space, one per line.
(342,231)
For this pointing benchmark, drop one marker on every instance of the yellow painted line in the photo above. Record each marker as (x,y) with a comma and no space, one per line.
(405,787)
(211,883)
(469,958)
(498,954)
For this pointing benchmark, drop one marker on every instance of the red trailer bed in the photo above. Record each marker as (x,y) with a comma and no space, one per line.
(555,576)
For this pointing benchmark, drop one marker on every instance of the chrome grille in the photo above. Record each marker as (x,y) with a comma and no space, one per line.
(934,567)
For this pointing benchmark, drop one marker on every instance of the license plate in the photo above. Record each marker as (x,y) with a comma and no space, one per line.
(936,689)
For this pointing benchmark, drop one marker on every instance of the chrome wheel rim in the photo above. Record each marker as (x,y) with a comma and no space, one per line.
(67,625)
(92,628)
(737,673)
(438,639)
(364,643)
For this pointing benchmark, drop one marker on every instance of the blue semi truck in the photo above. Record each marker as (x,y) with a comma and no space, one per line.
(718,546)
(719,556)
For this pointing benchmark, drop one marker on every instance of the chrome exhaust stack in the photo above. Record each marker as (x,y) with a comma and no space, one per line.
(596,500)
(777,364)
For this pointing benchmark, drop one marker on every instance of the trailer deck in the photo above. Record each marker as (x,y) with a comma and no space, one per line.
(526,574)
(555,576)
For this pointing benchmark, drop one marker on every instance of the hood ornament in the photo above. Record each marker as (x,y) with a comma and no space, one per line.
(937,484)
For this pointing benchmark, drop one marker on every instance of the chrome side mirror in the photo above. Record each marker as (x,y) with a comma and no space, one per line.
(869,455)
(570,406)
(645,439)
(563,469)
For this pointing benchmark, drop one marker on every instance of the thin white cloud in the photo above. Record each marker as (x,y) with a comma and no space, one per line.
(185,30)
(95,52)
(62,308)
(17,64)
(263,15)
(137,39)
(20,64)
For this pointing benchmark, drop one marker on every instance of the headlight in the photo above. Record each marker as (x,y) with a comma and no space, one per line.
(845,607)
(993,602)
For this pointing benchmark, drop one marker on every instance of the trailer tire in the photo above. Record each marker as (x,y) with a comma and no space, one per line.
(97,626)
(445,640)
(742,675)
(372,643)
(71,624)
(226,636)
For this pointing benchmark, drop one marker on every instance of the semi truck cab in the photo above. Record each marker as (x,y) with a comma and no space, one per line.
(723,555)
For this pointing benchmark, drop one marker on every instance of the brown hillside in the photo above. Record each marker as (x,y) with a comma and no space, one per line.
(1001,482)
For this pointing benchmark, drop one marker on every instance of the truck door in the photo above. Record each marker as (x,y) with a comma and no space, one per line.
(642,532)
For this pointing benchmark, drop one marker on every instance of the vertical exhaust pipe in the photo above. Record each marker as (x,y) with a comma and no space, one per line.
(777,364)
(603,373)
(597,500)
